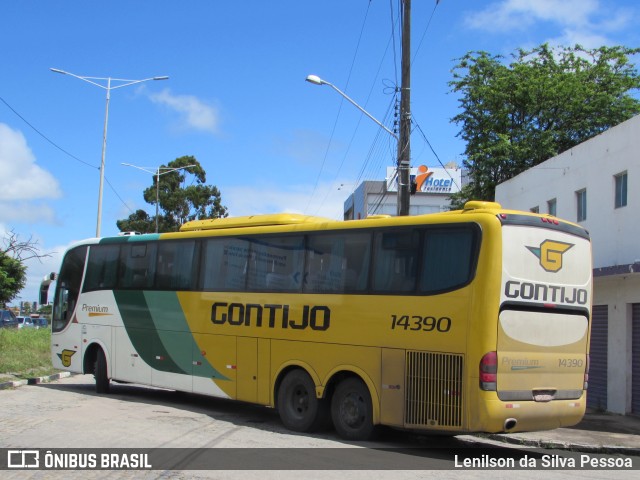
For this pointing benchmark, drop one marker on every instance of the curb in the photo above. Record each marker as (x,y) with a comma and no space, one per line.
(574,447)
(34,381)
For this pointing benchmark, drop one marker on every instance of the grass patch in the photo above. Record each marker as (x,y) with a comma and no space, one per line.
(25,352)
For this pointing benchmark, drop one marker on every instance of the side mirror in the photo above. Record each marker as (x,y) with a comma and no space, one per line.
(44,287)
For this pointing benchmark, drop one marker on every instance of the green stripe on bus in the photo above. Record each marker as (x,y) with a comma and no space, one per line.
(169,318)
(159,332)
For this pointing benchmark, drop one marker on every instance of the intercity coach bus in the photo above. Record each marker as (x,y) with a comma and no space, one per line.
(474,320)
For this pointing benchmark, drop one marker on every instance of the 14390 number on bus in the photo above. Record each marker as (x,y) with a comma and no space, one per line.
(420,323)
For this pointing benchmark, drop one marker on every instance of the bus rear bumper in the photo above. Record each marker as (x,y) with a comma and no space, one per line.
(525,416)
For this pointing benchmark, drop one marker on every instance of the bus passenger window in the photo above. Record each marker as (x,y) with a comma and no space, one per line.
(276,264)
(138,262)
(337,263)
(395,261)
(102,268)
(225,264)
(449,259)
(175,265)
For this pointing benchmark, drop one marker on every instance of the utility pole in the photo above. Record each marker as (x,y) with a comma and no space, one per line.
(404,141)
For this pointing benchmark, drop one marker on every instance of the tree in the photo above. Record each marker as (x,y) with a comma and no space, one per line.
(13,271)
(181,199)
(545,102)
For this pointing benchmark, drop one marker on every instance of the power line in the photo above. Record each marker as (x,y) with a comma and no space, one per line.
(434,152)
(62,149)
(326,153)
(45,137)
(116,194)
(393,36)
(425,31)
(376,138)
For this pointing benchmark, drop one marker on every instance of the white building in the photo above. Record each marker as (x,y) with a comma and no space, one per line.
(596,184)
(433,187)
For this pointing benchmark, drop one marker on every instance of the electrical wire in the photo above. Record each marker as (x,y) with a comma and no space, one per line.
(393,37)
(326,153)
(369,156)
(425,31)
(45,137)
(62,149)
(424,136)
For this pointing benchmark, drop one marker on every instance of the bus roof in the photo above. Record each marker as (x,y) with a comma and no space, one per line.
(252,221)
(274,219)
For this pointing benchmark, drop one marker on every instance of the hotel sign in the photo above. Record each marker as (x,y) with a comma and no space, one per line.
(428,179)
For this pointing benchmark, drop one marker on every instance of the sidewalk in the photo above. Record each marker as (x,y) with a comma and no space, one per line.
(598,432)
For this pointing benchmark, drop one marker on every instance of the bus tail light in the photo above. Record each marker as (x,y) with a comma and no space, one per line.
(585,384)
(489,371)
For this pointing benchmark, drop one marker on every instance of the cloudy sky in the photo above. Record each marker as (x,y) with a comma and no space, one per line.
(236,98)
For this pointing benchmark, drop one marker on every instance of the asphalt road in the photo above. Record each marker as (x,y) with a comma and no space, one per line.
(69,414)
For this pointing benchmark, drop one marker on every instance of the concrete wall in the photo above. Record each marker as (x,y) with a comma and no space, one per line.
(372,198)
(615,232)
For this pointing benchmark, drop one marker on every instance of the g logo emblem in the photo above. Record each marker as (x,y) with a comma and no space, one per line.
(550,254)
(65,357)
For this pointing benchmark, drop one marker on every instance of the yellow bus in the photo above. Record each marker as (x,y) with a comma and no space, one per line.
(467,321)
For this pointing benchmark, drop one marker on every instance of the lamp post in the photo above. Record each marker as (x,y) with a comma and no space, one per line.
(316,80)
(157,172)
(403,163)
(108,88)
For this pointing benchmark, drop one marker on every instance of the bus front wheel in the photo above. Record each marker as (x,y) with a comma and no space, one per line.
(352,411)
(100,373)
(299,408)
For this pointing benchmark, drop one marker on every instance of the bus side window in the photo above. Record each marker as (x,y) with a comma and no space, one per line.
(395,261)
(276,264)
(175,265)
(138,262)
(449,259)
(225,264)
(337,263)
(102,268)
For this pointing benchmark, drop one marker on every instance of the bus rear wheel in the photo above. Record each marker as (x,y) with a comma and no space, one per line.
(299,408)
(100,373)
(352,410)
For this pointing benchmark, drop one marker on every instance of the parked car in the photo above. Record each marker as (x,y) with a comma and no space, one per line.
(25,322)
(40,322)
(8,319)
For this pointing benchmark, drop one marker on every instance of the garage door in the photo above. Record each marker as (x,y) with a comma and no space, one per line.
(597,392)
(635,359)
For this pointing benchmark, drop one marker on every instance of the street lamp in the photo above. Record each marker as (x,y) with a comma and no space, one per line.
(316,80)
(157,172)
(108,88)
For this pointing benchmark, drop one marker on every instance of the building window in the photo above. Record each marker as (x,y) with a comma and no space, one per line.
(581,198)
(551,206)
(621,190)
(535,209)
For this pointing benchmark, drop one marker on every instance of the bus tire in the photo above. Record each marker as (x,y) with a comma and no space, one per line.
(299,408)
(100,373)
(352,410)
